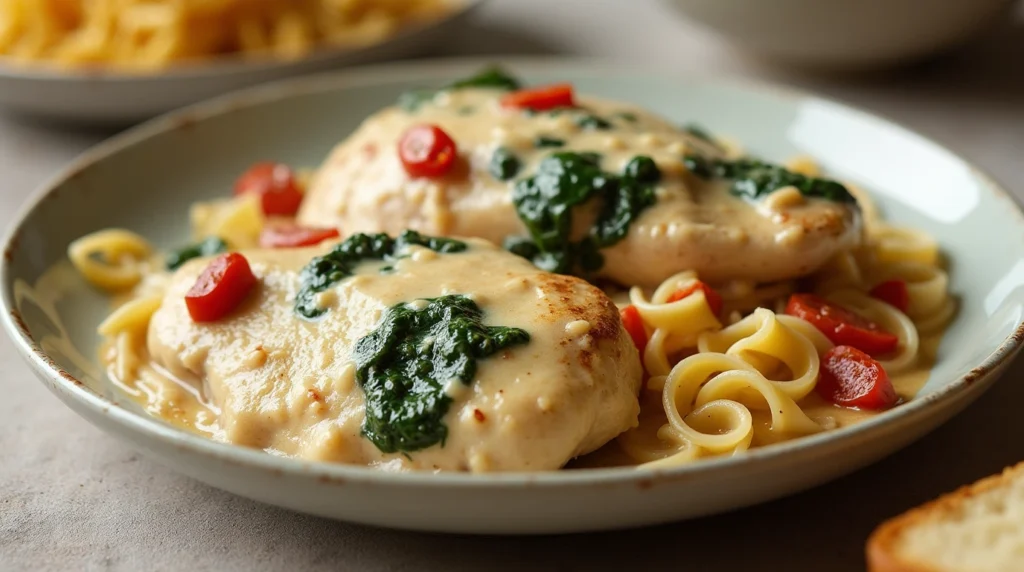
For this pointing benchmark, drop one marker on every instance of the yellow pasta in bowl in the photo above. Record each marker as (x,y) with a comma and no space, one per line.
(138,35)
(510,292)
(121,61)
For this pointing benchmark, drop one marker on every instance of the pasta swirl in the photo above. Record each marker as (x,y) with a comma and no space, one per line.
(676,323)
(740,390)
(896,253)
(710,400)
(896,244)
(110,259)
(765,343)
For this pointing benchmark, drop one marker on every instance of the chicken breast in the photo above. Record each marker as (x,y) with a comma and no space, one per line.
(289,384)
(695,224)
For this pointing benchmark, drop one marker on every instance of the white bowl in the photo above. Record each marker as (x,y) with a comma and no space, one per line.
(844,34)
(145,179)
(110,97)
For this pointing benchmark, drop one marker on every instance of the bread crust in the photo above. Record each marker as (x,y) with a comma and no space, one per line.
(881,551)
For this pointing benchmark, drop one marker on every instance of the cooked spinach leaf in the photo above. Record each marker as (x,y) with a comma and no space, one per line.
(753,178)
(493,76)
(209,247)
(545,203)
(699,132)
(404,364)
(490,77)
(591,121)
(542,141)
(412,100)
(504,164)
(324,271)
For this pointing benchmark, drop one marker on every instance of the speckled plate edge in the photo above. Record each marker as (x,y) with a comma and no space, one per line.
(65,386)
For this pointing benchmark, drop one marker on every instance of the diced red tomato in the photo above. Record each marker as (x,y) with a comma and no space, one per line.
(842,326)
(295,236)
(277,186)
(222,286)
(714,299)
(541,98)
(852,378)
(427,151)
(634,325)
(894,293)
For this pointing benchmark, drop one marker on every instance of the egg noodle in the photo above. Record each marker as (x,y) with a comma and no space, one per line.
(712,388)
(154,34)
(719,389)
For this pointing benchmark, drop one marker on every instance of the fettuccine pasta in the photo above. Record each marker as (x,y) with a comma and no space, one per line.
(724,388)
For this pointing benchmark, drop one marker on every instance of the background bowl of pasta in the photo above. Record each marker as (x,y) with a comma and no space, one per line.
(119,62)
(846,35)
(907,180)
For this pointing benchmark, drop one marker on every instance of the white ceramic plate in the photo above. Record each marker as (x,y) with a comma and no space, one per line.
(98,97)
(145,179)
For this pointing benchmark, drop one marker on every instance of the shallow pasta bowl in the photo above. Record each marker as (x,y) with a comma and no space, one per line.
(145,179)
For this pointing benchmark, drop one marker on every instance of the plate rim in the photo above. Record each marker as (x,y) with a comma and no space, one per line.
(67,387)
(222,65)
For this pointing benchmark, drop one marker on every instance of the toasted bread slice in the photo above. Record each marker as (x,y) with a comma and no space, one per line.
(979,528)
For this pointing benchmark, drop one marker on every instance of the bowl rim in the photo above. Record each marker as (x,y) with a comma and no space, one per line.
(67,387)
(225,64)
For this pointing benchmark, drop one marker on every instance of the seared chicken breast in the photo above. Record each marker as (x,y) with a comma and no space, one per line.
(695,223)
(289,384)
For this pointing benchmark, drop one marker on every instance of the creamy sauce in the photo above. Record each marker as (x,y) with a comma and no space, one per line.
(287,385)
(695,224)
